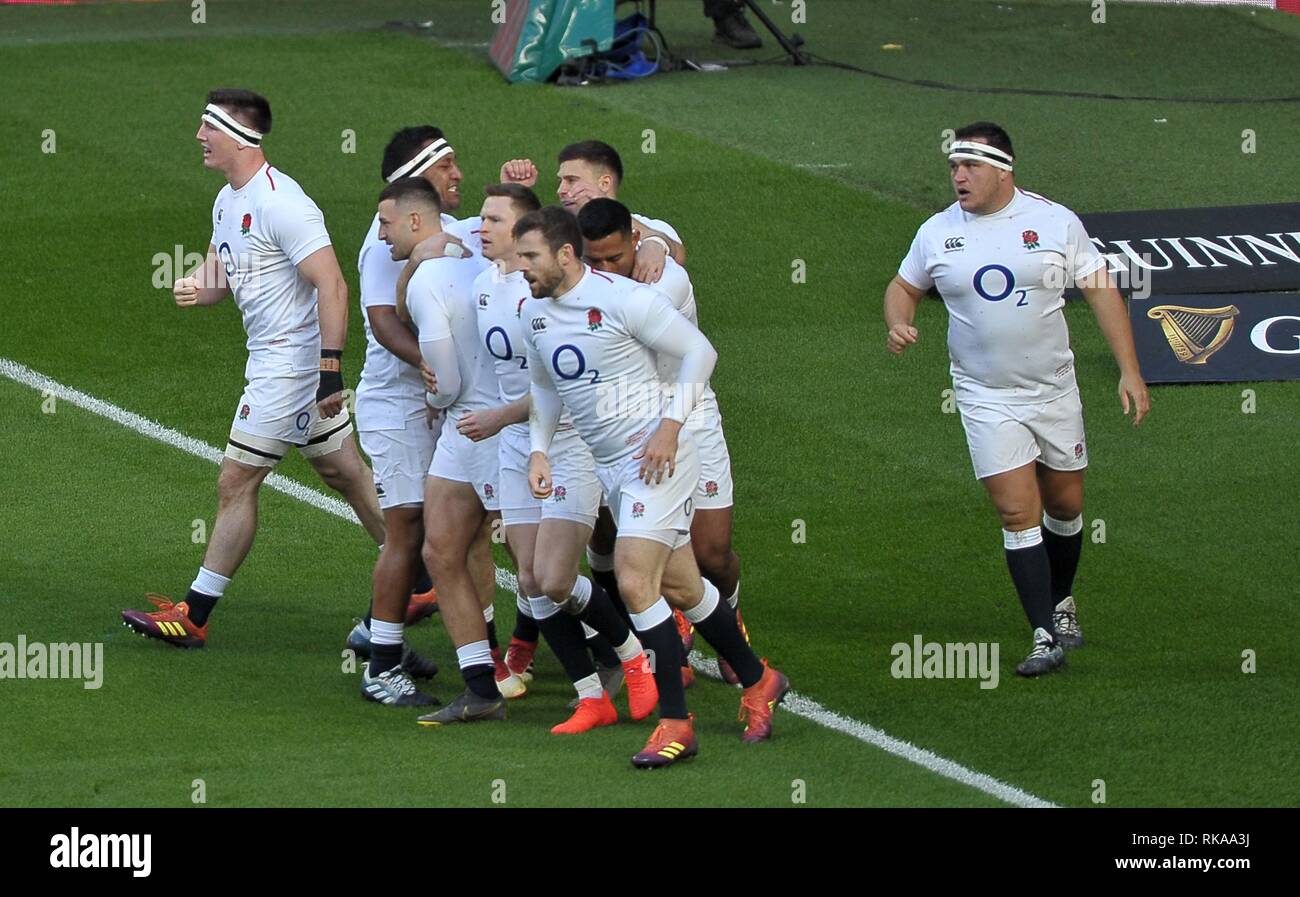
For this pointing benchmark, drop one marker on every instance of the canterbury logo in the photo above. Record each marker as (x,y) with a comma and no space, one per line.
(170,627)
(538,324)
(954,243)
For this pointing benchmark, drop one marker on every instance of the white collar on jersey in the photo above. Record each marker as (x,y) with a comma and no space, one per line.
(422,160)
(975,151)
(225,122)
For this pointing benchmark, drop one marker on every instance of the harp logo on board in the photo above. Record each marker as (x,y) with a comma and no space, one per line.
(1194,334)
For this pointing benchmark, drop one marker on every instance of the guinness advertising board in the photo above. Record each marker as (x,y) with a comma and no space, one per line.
(1217,337)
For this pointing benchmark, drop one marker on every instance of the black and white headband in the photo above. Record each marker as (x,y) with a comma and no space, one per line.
(981,152)
(422,160)
(223,121)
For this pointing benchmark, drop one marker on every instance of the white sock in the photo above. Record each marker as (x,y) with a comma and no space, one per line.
(209,583)
(630,649)
(384,633)
(1025,538)
(589,687)
(734,600)
(542,608)
(524,605)
(579,595)
(652,616)
(475,654)
(708,604)
(1063,527)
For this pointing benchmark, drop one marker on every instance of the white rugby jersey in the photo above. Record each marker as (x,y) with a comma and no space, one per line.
(261,232)
(676,285)
(391,391)
(440,297)
(597,347)
(1002,277)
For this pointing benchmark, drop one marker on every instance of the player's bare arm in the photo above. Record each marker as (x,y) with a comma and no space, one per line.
(1112,317)
(480,425)
(901,302)
(322,269)
(395,336)
(205,285)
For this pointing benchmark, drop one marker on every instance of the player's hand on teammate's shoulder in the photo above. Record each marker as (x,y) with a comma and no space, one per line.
(900,337)
(650,259)
(435,247)
(539,475)
(659,454)
(186,291)
(1133,393)
(519,171)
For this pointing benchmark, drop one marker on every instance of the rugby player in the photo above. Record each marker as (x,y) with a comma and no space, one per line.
(592,337)
(269,248)
(547,537)
(460,491)
(1000,258)
(609,239)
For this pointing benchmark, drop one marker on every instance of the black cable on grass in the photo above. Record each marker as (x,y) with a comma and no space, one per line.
(1043,92)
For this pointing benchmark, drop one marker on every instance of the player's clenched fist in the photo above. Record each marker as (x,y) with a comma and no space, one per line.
(900,337)
(519,171)
(186,291)
(539,475)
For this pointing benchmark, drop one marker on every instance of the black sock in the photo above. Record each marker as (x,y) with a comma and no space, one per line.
(609,582)
(1063,554)
(422,581)
(481,680)
(384,657)
(719,629)
(564,635)
(200,606)
(602,650)
(601,616)
(1031,571)
(492,634)
(526,628)
(666,644)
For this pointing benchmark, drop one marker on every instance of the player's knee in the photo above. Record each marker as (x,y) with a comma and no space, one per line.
(555,584)
(234,484)
(1018,518)
(713,556)
(1063,509)
(528,583)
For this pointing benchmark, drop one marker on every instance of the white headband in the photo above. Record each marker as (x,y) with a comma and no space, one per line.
(223,121)
(981,152)
(423,159)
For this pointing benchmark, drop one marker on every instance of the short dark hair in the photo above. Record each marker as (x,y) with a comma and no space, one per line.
(253,106)
(404,144)
(601,217)
(557,226)
(597,153)
(415,189)
(992,134)
(522,198)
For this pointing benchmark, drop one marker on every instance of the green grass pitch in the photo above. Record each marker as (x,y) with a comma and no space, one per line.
(757,167)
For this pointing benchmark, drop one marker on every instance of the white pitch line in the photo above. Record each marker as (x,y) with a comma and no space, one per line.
(797,704)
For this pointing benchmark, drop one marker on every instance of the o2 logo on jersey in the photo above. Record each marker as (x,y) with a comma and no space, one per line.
(571,368)
(983,280)
(228,261)
(507,352)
